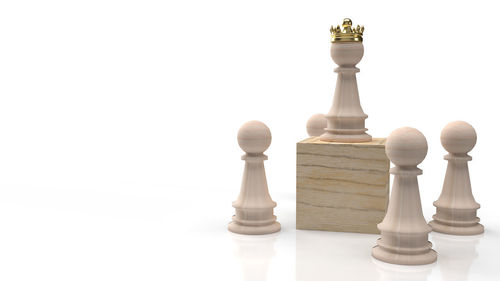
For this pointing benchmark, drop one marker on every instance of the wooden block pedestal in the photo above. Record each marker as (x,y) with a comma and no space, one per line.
(342,186)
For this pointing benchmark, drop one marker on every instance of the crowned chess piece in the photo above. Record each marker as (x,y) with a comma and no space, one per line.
(346,119)
(343,174)
(254,206)
(456,208)
(316,125)
(404,232)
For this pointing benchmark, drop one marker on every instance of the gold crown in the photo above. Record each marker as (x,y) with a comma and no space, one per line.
(347,34)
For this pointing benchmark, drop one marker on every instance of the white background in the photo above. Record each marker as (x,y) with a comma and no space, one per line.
(118,122)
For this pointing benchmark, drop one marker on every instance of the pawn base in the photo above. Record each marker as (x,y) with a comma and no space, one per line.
(254,230)
(394,258)
(329,137)
(456,230)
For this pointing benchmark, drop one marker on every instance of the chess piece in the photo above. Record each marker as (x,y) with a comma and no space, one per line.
(346,119)
(456,208)
(316,125)
(254,206)
(404,232)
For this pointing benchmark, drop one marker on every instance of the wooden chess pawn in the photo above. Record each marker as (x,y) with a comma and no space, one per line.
(404,231)
(456,208)
(254,206)
(316,125)
(346,119)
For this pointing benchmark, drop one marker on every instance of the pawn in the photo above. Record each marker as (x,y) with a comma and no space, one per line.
(316,125)
(456,208)
(254,206)
(404,231)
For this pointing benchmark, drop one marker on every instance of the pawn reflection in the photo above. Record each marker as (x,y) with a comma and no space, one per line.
(255,252)
(394,272)
(327,256)
(456,254)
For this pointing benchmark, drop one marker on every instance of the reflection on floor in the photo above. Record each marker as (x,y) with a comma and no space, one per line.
(391,272)
(255,253)
(347,256)
(322,255)
(455,255)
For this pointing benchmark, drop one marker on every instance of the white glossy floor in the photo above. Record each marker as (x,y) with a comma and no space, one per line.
(122,234)
(322,255)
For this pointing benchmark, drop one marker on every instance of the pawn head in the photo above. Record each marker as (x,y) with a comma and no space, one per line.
(458,137)
(406,147)
(254,137)
(316,125)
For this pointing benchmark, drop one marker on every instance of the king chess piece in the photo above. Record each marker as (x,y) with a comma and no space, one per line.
(404,231)
(346,119)
(342,175)
(254,206)
(456,208)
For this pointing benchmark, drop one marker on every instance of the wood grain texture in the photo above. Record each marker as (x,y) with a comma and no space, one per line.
(341,186)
